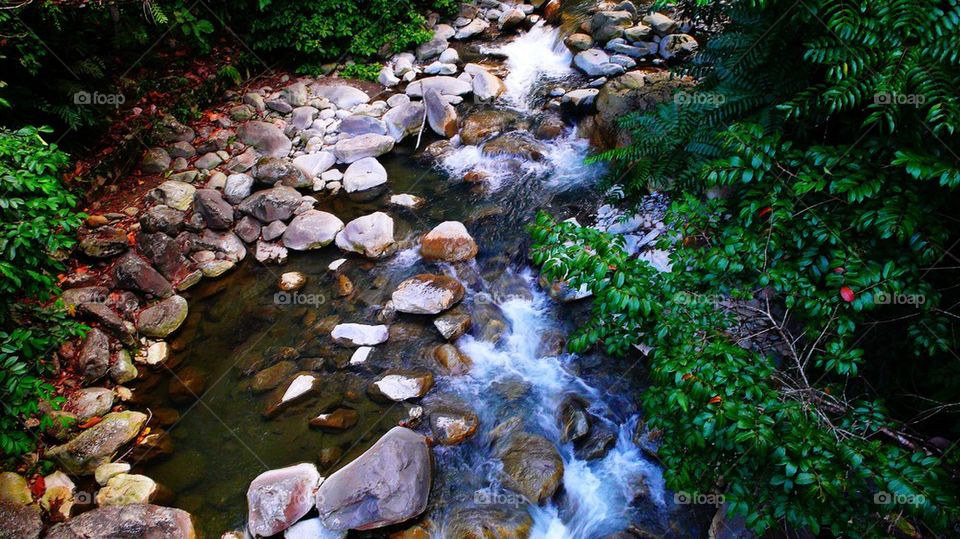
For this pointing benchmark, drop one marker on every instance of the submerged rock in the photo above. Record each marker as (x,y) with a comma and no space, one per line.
(488,522)
(531,465)
(279,498)
(452,427)
(388,484)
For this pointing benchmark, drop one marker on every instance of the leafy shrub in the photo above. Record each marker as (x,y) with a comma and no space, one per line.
(37,222)
(361,71)
(326,30)
(812,171)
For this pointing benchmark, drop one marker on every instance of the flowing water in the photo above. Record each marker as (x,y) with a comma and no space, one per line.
(222,442)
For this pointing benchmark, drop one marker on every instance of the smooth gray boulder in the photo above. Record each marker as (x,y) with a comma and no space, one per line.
(312,229)
(343,96)
(271,205)
(388,484)
(446,86)
(267,138)
(369,235)
(277,499)
(357,148)
(364,174)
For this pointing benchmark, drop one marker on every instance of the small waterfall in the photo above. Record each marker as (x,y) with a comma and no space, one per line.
(597,494)
(537,56)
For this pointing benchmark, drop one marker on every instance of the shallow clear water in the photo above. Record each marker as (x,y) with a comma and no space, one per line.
(223,441)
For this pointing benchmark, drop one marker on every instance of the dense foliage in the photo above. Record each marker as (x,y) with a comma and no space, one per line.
(37,222)
(326,31)
(813,171)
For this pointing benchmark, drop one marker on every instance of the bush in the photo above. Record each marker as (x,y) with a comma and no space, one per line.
(327,30)
(824,135)
(37,224)
(361,71)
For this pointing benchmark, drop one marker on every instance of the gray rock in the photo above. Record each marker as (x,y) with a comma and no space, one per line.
(440,68)
(296,94)
(267,138)
(369,235)
(103,242)
(388,484)
(404,119)
(134,520)
(98,444)
(344,97)
(280,106)
(162,318)
(108,320)
(134,273)
(168,129)
(93,359)
(449,56)
(312,229)
(216,212)
(591,62)
(427,294)
(314,164)
(277,499)
(476,26)
(273,204)
(155,161)
(270,170)
(511,19)
(677,46)
(208,161)
(177,195)
(354,335)
(387,77)
(431,49)
(441,115)
(359,124)
(446,85)
(162,219)
(244,161)
(303,117)
(531,465)
(237,188)
(364,174)
(660,23)
(248,229)
(19,521)
(356,148)
(606,25)
(486,86)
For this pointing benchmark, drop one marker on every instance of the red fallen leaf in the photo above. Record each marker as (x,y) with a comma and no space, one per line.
(765,212)
(90,422)
(131,238)
(847,294)
(687,377)
(38,487)
(839,270)
(715,400)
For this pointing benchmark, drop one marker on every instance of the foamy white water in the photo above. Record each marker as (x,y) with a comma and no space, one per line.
(598,493)
(532,58)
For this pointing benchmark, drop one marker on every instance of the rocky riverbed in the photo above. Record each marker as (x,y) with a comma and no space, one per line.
(320,321)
